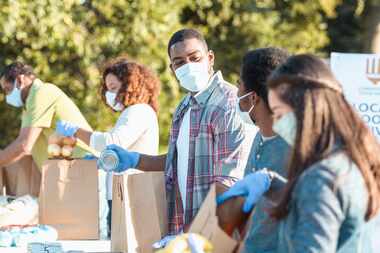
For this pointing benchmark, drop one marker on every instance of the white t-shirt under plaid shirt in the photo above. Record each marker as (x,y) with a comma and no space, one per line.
(183,155)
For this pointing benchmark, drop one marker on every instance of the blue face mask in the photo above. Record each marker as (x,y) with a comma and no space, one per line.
(193,76)
(14,98)
(286,128)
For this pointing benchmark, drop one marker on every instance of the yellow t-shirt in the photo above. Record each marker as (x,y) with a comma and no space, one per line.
(46,104)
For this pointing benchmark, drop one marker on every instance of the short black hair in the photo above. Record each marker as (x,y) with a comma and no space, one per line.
(15,69)
(258,65)
(185,34)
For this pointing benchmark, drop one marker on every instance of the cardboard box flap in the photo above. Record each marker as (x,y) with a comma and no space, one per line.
(220,240)
(66,174)
(206,224)
(206,212)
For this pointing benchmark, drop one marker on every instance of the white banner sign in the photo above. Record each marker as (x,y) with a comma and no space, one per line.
(359,75)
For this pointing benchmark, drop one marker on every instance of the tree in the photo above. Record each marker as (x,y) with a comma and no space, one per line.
(67,42)
(371,16)
(234,27)
(43,34)
(354,26)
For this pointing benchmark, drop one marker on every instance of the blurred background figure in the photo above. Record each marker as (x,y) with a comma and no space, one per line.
(131,89)
(42,104)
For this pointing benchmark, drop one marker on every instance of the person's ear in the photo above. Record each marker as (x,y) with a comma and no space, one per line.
(173,70)
(20,79)
(211,58)
(255,99)
(2,84)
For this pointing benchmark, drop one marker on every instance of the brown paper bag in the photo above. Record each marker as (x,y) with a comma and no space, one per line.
(206,224)
(139,216)
(2,185)
(69,199)
(22,178)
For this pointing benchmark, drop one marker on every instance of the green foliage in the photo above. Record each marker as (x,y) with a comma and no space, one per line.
(234,27)
(67,42)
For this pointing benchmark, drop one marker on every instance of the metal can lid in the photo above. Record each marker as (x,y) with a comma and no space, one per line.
(108,160)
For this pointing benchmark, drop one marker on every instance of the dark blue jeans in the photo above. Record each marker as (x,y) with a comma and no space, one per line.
(109,217)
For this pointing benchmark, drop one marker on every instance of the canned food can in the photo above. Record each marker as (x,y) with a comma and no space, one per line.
(46,247)
(108,160)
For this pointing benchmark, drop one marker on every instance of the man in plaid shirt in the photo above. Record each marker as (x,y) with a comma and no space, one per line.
(208,142)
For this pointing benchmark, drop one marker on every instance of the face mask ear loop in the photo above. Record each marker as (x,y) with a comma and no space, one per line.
(249,111)
(246,95)
(15,84)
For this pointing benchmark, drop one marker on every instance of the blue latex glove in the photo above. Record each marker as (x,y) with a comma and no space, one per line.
(196,246)
(89,157)
(252,187)
(66,128)
(126,159)
(163,242)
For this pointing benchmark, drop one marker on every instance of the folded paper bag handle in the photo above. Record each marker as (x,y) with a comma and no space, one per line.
(66,173)
(120,191)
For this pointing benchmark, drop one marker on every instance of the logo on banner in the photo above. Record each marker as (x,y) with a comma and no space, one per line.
(373,70)
(359,75)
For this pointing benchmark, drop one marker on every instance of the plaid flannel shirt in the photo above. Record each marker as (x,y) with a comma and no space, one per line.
(218,149)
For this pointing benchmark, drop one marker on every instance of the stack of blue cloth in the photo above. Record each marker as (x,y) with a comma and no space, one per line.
(21,236)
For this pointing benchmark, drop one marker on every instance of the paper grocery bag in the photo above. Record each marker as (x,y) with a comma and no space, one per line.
(22,178)
(2,185)
(206,224)
(139,216)
(69,199)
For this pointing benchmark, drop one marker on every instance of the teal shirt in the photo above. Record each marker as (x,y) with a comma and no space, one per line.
(271,154)
(327,210)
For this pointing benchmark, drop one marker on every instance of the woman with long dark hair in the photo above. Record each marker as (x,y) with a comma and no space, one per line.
(333,187)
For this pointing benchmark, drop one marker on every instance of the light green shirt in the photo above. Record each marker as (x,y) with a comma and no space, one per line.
(46,104)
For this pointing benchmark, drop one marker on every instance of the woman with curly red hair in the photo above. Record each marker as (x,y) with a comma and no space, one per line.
(132,89)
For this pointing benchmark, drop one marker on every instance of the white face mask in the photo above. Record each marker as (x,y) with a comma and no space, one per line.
(286,127)
(193,76)
(244,115)
(111,101)
(14,98)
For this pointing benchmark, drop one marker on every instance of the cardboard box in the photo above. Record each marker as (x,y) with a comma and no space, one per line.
(208,224)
